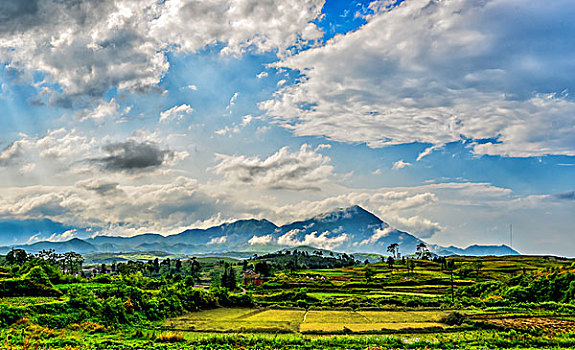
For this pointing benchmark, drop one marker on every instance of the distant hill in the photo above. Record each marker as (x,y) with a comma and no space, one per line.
(479,250)
(351,230)
(75,244)
(20,231)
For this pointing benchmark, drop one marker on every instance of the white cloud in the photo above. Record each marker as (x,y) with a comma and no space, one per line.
(257,240)
(301,170)
(262,75)
(176,112)
(400,164)
(89,47)
(246,119)
(103,110)
(377,235)
(232,102)
(434,72)
(227,131)
(420,227)
(428,151)
(313,239)
(218,240)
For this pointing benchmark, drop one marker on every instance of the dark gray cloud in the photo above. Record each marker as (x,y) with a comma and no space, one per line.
(570,195)
(17,15)
(132,156)
(103,188)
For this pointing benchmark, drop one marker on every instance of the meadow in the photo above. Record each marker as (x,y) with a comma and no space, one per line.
(458,302)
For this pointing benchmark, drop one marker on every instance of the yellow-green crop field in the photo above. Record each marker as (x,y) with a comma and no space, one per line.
(313,321)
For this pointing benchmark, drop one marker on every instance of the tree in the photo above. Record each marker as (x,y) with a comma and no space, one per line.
(477,266)
(393,249)
(410,265)
(178,265)
(422,252)
(263,268)
(72,262)
(229,279)
(390,262)
(369,274)
(156,265)
(50,256)
(17,256)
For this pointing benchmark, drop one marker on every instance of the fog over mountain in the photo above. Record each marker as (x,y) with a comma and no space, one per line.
(351,229)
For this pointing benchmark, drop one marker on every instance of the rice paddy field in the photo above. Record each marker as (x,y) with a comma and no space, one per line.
(304,321)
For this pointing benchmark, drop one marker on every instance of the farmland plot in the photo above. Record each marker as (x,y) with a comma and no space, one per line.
(313,321)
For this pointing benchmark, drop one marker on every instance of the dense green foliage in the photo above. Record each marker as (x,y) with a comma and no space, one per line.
(124,305)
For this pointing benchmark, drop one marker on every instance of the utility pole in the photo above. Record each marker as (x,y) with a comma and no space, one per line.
(452,294)
(511,235)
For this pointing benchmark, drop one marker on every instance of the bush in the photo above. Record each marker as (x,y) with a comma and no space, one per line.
(170,338)
(454,319)
(9,315)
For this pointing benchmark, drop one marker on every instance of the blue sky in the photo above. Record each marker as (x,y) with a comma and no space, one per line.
(450,120)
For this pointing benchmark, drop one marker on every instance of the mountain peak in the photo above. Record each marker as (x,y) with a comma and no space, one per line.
(354,212)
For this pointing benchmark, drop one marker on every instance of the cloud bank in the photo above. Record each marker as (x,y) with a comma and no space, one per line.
(439,71)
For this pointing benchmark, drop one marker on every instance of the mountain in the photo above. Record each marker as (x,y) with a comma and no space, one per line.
(352,230)
(231,233)
(75,244)
(479,250)
(20,231)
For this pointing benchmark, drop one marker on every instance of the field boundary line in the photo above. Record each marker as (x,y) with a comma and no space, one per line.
(251,313)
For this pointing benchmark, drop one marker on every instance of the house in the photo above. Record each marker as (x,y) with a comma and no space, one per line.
(252,278)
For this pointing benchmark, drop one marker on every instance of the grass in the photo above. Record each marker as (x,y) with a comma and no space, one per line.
(27,301)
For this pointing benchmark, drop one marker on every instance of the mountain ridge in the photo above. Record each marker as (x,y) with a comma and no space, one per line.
(351,229)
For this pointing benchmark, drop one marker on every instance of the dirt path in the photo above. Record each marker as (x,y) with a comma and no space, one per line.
(547,324)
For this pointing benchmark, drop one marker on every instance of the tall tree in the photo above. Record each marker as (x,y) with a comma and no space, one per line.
(17,256)
(393,249)
(422,251)
(390,262)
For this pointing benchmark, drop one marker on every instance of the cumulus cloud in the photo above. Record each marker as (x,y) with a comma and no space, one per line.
(88,47)
(132,156)
(176,112)
(377,235)
(118,209)
(421,227)
(103,110)
(313,239)
(260,240)
(10,153)
(400,164)
(301,170)
(436,71)
(218,240)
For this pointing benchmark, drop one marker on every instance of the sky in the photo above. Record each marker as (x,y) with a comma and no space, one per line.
(451,120)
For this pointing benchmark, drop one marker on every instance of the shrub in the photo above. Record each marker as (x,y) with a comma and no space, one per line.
(453,319)
(170,338)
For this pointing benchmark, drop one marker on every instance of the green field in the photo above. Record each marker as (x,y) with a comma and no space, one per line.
(459,302)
